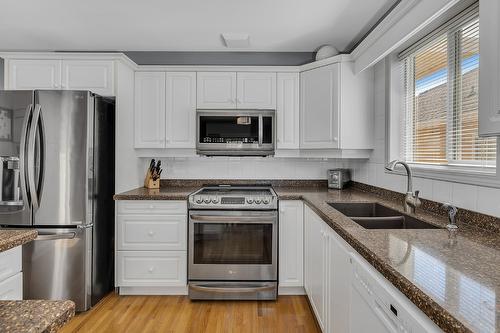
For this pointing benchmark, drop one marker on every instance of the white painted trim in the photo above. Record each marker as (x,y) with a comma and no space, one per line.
(291,291)
(196,68)
(69,56)
(326,62)
(280,153)
(153,290)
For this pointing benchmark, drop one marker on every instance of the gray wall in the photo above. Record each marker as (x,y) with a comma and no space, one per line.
(221,58)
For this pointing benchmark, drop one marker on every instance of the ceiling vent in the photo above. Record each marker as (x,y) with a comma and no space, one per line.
(236,41)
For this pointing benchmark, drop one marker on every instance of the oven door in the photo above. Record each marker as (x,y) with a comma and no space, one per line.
(232,245)
(235,132)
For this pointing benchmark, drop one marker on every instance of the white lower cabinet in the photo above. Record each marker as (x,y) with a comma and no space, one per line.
(151,268)
(291,253)
(151,243)
(11,276)
(346,293)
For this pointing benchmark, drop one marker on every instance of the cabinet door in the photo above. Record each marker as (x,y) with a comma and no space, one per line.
(11,289)
(216,90)
(339,282)
(489,67)
(319,120)
(256,91)
(93,75)
(291,238)
(151,232)
(151,268)
(149,110)
(34,74)
(287,111)
(180,110)
(315,283)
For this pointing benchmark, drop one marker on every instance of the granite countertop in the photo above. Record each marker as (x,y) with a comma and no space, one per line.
(454,281)
(10,238)
(34,315)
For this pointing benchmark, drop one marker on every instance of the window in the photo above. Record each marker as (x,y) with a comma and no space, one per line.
(441,78)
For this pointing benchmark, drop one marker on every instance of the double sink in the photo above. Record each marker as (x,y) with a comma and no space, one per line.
(372,215)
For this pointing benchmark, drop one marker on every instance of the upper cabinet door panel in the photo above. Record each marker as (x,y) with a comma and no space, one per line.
(287,111)
(489,67)
(34,74)
(216,90)
(256,91)
(149,110)
(180,110)
(93,75)
(319,120)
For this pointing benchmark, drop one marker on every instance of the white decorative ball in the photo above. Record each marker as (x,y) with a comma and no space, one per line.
(326,51)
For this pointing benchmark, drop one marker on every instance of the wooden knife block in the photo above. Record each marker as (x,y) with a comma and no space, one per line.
(149,182)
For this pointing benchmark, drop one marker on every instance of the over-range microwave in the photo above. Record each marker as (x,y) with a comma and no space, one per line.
(235,132)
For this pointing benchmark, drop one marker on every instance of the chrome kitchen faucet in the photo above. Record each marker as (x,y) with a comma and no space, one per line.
(411,201)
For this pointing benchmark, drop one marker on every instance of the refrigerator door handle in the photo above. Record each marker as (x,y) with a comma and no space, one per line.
(22,155)
(67,235)
(35,194)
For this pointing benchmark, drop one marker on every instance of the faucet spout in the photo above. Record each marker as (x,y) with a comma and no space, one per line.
(411,201)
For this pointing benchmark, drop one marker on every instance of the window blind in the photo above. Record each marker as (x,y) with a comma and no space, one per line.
(441,77)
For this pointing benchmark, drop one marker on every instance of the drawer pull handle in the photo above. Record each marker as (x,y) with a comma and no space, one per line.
(151,233)
(151,269)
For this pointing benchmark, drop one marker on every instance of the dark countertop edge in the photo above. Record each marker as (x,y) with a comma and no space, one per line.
(64,311)
(120,197)
(18,240)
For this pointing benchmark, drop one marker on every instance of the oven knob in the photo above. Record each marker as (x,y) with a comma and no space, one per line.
(265,201)
(249,201)
(215,200)
(199,200)
(257,201)
(207,200)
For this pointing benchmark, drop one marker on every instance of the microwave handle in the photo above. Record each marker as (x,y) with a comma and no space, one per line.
(261,130)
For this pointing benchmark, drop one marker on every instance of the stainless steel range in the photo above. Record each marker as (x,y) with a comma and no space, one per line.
(233,248)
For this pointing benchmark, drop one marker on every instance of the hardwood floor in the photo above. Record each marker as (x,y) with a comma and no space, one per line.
(178,314)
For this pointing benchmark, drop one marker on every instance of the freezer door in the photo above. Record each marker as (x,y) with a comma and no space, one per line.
(16,110)
(61,158)
(57,265)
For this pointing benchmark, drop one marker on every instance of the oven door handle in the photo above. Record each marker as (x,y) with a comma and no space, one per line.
(222,290)
(264,219)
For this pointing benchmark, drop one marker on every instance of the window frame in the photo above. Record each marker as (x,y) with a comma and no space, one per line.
(394,106)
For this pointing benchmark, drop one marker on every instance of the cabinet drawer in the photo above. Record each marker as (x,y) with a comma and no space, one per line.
(11,289)
(159,232)
(156,207)
(10,262)
(151,268)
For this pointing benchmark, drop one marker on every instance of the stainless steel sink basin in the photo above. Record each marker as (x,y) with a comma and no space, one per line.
(372,215)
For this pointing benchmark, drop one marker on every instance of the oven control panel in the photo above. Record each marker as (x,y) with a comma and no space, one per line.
(227,200)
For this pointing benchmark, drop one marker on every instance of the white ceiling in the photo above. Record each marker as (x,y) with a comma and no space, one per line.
(184,25)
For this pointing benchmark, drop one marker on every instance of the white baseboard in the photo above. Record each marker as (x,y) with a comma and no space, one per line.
(182,290)
(291,291)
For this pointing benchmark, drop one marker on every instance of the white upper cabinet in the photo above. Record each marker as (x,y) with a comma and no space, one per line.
(336,108)
(33,74)
(180,110)
(93,75)
(256,91)
(231,90)
(287,111)
(216,90)
(291,240)
(320,108)
(149,110)
(489,67)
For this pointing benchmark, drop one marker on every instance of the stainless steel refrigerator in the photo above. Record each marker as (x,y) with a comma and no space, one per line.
(57,175)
